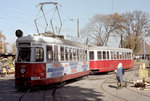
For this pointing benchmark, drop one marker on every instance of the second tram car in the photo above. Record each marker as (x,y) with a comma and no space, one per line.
(104,59)
(43,60)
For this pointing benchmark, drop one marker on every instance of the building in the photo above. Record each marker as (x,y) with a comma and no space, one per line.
(144,53)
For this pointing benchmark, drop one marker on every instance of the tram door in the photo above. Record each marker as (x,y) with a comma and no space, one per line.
(49,60)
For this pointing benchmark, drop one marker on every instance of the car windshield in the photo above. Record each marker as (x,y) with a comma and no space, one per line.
(24,54)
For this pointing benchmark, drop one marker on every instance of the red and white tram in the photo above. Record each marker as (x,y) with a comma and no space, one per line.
(103,59)
(45,60)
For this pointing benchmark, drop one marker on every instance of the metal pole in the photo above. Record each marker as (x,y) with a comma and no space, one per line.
(78,35)
(144,49)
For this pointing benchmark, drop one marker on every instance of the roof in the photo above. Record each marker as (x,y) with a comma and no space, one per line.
(147,48)
(109,48)
(49,40)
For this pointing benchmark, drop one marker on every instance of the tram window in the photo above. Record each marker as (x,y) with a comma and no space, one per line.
(112,55)
(125,55)
(120,55)
(85,55)
(117,55)
(74,54)
(39,54)
(104,55)
(78,54)
(24,54)
(128,55)
(66,53)
(61,53)
(49,54)
(70,54)
(99,55)
(107,54)
(81,55)
(55,53)
(91,55)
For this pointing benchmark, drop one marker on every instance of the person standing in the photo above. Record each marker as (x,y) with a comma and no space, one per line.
(119,75)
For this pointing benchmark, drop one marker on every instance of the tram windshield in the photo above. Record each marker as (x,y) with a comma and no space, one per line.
(24,54)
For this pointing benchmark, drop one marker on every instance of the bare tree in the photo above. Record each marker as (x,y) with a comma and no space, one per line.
(2,42)
(99,30)
(2,36)
(13,48)
(101,27)
(131,27)
(136,28)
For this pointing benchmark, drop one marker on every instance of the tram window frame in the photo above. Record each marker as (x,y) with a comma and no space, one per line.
(62,52)
(56,53)
(49,53)
(40,55)
(66,54)
(91,55)
(99,55)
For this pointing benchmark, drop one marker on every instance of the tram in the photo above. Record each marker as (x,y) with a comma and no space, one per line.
(104,59)
(44,60)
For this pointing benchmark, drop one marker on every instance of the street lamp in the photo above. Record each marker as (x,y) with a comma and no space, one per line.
(78,34)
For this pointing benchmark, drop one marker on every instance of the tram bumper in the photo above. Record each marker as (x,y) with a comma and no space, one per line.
(24,82)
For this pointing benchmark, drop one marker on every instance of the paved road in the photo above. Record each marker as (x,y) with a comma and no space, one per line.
(100,87)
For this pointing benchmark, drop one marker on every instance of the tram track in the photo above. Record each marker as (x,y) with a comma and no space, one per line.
(20,98)
(108,92)
(131,89)
(107,81)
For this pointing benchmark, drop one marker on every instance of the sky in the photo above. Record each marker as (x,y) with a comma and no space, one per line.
(20,14)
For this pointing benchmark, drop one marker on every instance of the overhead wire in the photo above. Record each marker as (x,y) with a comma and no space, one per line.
(15,20)
(11,17)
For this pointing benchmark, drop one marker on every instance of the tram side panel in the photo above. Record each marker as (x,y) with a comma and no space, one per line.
(104,59)
(29,74)
(101,66)
(110,65)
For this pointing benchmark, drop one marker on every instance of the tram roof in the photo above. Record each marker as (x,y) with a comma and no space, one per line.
(49,40)
(108,48)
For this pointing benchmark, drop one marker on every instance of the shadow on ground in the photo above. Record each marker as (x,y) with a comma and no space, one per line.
(65,93)
(75,93)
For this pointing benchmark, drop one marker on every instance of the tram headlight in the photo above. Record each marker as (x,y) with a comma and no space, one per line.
(22,71)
